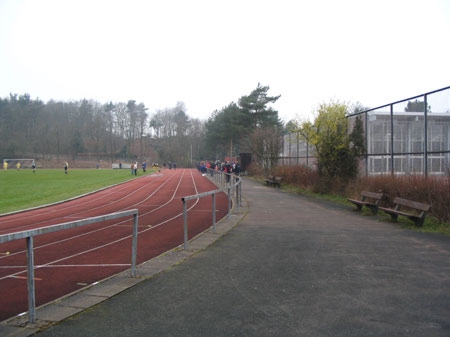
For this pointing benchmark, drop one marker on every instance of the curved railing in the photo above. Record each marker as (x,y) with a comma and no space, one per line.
(227,182)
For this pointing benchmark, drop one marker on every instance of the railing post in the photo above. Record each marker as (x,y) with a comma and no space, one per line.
(31,290)
(240,193)
(237,197)
(229,202)
(214,212)
(185,227)
(134,245)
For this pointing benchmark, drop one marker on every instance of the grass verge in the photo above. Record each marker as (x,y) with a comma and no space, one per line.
(431,224)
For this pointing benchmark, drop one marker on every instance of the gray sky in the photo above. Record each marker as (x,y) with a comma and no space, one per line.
(209,53)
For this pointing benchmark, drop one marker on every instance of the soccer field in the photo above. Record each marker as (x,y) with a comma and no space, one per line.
(24,189)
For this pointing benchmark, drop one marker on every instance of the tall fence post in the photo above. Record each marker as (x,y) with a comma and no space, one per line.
(425,136)
(391,139)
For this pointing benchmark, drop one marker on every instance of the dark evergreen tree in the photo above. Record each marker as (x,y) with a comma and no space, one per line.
(256,106)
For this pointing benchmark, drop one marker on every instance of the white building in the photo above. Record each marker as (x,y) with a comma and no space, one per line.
(414,146)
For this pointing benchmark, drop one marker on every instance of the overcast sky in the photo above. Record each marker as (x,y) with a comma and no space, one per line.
(209,53)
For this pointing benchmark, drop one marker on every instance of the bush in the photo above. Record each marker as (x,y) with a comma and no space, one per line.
(308,179)
(299,176)
(255,170)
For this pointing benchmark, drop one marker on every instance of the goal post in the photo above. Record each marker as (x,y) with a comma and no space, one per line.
(12,163)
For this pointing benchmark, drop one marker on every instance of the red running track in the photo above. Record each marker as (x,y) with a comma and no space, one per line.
(69,260)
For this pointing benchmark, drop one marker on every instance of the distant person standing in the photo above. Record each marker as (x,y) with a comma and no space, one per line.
(228,170)
(66,167)
(237,169)
(5,165)
(33,166)
(144,166)
(18,166)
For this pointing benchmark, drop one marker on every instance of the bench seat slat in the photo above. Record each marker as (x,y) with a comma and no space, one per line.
(412,204)
(373,195)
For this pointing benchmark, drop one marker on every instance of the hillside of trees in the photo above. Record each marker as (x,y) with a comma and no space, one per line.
(126,131)
(30,128)
(88,130)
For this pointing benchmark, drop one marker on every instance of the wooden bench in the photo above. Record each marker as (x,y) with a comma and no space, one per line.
(269,180)
(277,182)
(273,181)
(416,210)
(368,199)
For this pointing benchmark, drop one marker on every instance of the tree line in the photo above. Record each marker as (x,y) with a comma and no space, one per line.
(116,131)
(126,131)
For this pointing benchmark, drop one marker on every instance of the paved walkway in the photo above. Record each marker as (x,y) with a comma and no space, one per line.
(285,265)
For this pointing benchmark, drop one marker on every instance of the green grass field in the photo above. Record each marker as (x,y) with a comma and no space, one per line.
(24,189)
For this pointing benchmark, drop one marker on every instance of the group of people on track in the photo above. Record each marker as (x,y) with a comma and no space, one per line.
(226,167)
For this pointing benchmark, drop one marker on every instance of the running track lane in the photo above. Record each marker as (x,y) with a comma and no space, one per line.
(69,260)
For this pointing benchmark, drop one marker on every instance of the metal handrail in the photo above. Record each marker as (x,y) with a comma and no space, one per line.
(30,234)
(219,177)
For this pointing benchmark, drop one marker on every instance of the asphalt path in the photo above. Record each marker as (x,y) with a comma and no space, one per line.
(293,266)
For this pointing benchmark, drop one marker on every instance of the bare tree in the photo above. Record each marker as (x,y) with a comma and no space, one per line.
(266,145)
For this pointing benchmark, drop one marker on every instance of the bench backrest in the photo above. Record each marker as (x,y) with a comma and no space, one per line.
(372,195)
(412,204)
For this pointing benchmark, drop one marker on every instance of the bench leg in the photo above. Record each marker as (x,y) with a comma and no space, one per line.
(374,209)
(417,221)
(394,216)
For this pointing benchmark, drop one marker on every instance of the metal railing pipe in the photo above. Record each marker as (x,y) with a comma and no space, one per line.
(218,176)
(30,234)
